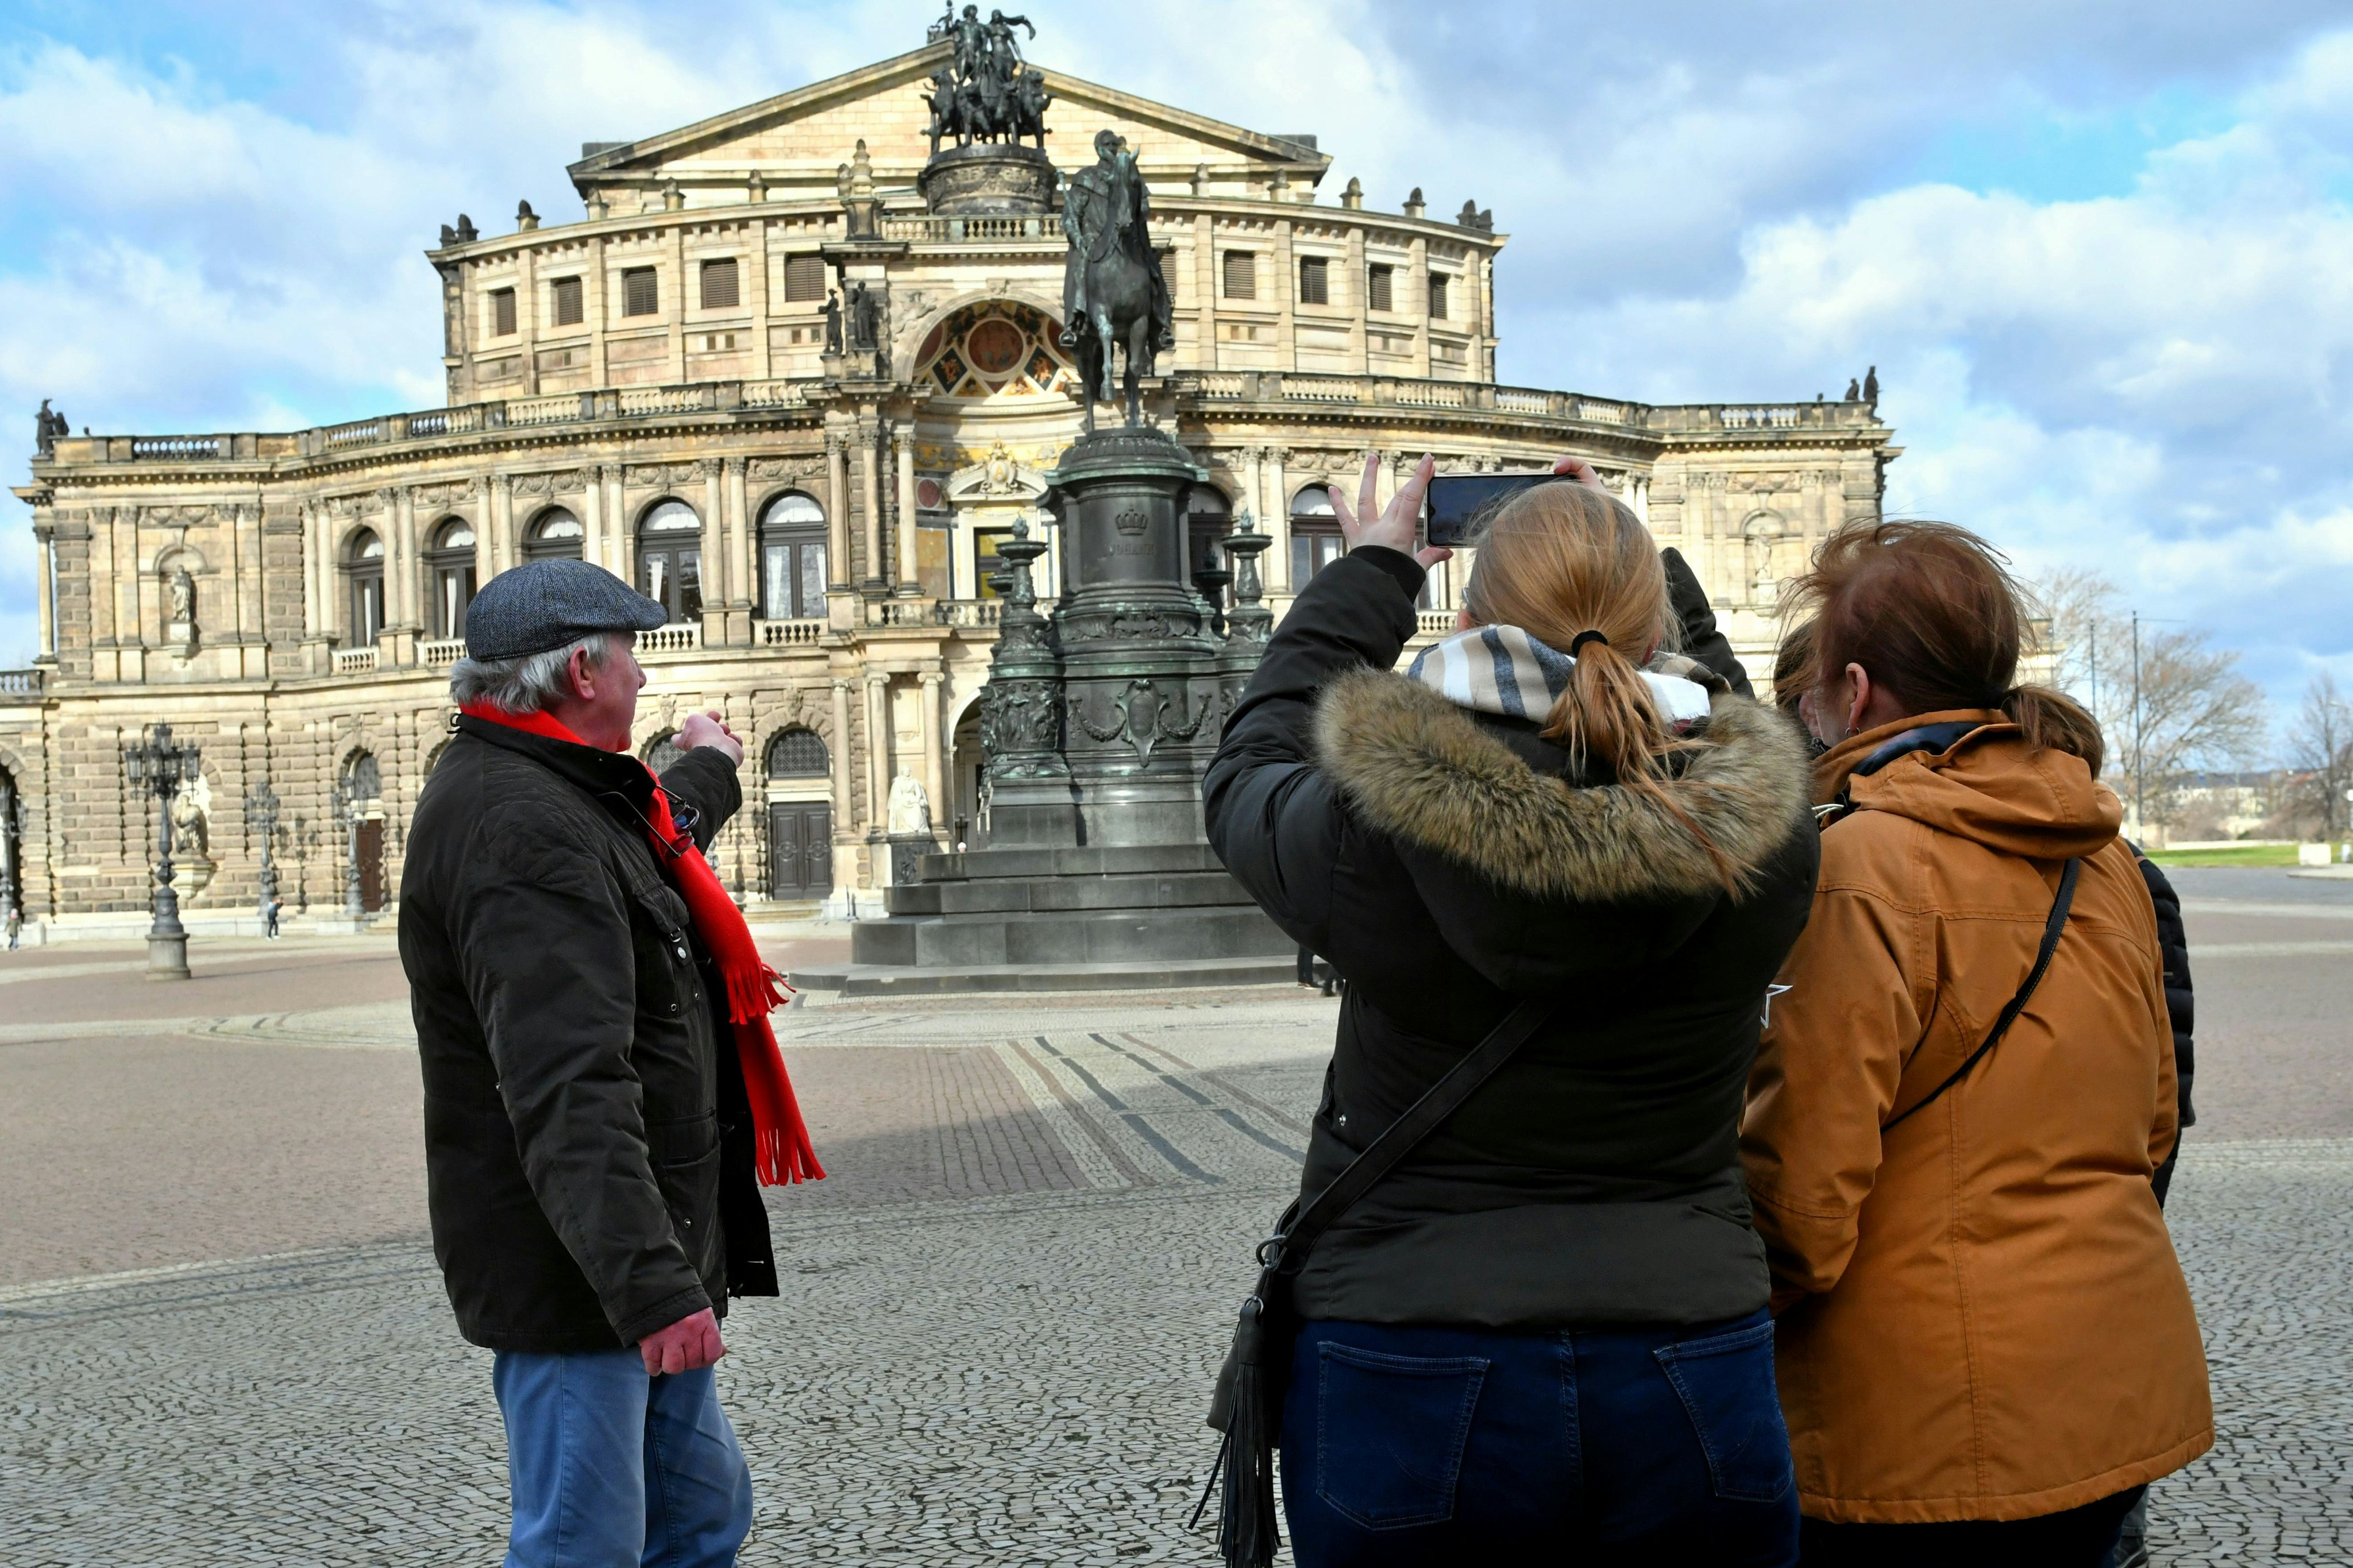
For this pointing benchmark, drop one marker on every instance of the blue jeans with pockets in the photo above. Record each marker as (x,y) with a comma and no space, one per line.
(611,1468)
(1413,1445)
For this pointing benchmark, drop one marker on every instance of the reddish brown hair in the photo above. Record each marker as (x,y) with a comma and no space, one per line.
(1930,610)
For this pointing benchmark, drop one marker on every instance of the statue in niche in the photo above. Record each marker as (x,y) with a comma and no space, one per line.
(180,597)
(833,320)
(911,808)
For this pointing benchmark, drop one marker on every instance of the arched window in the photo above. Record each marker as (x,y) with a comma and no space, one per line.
(797,754)
(662,750)
(450,562)
(1315,540)
(792,558)
(361,829)
(669,559)
(363,566)
(554,536)
(363,778)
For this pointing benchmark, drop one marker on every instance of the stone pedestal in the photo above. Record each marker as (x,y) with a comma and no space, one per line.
(1097,725)
(988,179)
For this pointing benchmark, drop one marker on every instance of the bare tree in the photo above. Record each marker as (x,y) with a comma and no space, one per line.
(2170,702)
(2322,751)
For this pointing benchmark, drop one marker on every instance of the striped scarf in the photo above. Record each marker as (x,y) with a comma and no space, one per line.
(1504,671)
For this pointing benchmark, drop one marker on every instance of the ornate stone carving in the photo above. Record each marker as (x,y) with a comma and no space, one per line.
(1143,720)
(563,481)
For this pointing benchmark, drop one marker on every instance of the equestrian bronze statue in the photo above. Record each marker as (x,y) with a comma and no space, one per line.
(1113,292)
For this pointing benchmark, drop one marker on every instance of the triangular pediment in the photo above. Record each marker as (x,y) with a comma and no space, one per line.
(795,140)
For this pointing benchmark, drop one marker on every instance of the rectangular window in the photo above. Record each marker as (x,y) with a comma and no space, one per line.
(1376,286)
(570,305)
(1310,551)
(719,290)
(1240,274)
(503,314)
(1437,281)
(803,279)
(640,294)
(1314,284)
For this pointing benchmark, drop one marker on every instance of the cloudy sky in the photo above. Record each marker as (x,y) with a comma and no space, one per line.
(2101,254)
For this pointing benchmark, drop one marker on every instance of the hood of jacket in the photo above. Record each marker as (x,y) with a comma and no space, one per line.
(1420,768)
(1989,788)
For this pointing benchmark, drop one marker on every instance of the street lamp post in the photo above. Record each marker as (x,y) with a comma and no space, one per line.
(261,815)
(159,765)
(346,807)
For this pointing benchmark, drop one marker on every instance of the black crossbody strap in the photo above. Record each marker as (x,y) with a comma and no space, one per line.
(1287,1249)
(2051,929)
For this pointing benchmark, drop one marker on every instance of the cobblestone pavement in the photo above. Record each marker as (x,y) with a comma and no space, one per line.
(1000,1315)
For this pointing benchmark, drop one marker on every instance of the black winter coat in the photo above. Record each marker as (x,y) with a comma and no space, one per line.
(587,1138)
(1448,864)
(2173,940)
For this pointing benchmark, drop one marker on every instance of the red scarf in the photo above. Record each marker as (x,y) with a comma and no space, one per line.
(780,1139)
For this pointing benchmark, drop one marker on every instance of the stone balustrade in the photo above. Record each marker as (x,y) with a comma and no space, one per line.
(22,682)
(354,661)
(437,652)
(792,634)
(683,637)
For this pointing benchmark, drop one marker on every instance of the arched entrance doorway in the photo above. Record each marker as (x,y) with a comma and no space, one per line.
(362,788)
(800,816)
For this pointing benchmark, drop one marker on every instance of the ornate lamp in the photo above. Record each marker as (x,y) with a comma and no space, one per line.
(261,816)
(158,765)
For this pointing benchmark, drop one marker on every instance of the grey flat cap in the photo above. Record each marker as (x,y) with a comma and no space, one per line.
(544,604)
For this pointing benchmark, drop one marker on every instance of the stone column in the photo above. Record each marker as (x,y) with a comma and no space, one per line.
(714,553)
(903,444)
(742,565)
(592,518)
(844,801)
(837,513)
(1278,520)
(314,586)
(44,591)
(494,540)
(618,559)
(403,565)
(934,764)
(870,486)
(877,758)
(1418,302)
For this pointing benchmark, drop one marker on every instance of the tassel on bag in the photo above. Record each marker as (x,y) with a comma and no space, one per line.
(1247,1534)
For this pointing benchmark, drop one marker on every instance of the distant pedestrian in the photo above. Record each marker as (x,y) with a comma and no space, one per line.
(270,917)
(1542,1336)
(1960,1111)
(602,1094)
(15,927)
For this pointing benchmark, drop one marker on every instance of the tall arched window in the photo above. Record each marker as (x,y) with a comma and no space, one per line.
(669,559)
(450,562)
(801,829)
(1315,540)
(362,828)
(663,751)
(792,558)
(555,535)
(363,566)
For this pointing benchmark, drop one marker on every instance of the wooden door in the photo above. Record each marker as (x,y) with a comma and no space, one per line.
(371,837)
(801,849)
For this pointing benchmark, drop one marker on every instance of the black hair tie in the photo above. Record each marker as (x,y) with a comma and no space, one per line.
(1581,638)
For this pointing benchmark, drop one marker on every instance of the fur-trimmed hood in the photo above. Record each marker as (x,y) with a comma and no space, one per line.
(1416,767)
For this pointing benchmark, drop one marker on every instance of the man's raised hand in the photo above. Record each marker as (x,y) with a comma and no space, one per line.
(706,729)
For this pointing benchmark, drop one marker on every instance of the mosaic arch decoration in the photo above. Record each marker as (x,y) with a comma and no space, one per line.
(996,348)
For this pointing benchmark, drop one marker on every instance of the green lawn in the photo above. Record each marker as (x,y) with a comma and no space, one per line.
(2251,855)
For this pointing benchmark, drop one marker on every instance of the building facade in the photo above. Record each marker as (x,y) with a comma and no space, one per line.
(762,381)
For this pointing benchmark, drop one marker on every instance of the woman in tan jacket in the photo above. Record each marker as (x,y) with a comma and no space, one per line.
(1986,1346)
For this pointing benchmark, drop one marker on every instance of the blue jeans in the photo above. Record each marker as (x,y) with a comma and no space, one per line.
(1414,1446)
(611,1468)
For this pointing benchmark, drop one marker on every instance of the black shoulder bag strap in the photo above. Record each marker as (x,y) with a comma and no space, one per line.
(1249,1397)
(2051,929)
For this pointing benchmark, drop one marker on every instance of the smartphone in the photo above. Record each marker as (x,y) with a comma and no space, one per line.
(1458,504)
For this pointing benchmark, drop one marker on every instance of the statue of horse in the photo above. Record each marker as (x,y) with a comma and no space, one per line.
(1126,299)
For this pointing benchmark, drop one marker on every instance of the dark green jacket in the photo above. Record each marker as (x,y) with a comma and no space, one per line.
(588,1140)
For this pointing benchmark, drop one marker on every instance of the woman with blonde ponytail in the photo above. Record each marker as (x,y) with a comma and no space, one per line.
(1541,1334)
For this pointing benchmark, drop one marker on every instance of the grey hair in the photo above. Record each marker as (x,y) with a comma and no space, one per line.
(528,683)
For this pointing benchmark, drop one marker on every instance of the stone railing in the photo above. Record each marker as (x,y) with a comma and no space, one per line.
(970,230)
(1783,416)
(970,613)
(682,637)
(143,447)
(792,634)
(966,612)
(776,394)
(22,682)
(436,652)
(1434,622)
(355,660)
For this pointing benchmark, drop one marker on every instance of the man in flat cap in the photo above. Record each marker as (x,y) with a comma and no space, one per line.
(603,1095)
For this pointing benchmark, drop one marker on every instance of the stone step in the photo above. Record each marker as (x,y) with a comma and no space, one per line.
(976,865)
(847,980)
(1182,890)
(1072,937)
